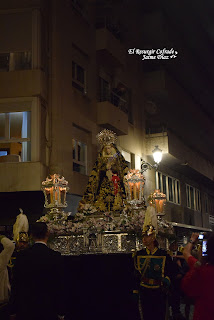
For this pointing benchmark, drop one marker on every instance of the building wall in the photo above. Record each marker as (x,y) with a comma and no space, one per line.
(75,114)
(58,34)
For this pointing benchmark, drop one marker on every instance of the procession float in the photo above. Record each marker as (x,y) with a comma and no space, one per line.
(112,211)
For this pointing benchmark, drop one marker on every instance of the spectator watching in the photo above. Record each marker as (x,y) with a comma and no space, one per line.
(198,283)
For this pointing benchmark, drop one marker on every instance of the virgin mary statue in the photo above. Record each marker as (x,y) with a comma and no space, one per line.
(105,189)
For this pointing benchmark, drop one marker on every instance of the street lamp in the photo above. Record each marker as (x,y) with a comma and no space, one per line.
(157,156)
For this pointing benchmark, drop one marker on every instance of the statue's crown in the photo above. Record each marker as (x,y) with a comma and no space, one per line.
(106,137)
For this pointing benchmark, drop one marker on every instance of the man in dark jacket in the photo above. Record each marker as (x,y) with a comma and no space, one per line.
(152,274)
(37,288)
(179,267)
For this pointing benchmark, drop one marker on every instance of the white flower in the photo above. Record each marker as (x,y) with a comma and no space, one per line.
(89,209)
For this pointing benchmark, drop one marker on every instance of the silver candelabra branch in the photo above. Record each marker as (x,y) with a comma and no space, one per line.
(55,189)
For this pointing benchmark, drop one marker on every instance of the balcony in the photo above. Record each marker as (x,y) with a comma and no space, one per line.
(113,101)
(24,83)
(21,176)
(183,113)
(108,45)
(112,118)
(180,157)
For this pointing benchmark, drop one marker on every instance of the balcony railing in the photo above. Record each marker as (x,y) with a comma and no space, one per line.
(156,129)
(108,23)
(115,99)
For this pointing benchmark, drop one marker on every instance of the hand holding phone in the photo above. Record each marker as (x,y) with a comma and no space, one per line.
(204,248)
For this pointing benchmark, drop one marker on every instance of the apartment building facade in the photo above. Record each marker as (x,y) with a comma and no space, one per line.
(65,73)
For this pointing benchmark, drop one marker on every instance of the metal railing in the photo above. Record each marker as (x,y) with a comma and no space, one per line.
(108,23)
(115,99)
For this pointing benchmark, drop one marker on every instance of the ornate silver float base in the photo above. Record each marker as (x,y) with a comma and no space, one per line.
(101,243)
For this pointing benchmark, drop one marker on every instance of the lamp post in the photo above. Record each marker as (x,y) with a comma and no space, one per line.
(157,198)
(157,156)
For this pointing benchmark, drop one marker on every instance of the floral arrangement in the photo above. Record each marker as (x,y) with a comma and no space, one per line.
(56,226)
(134,174)
(156,195)
(87,209)
(165,229)
(129,222)
(132,223)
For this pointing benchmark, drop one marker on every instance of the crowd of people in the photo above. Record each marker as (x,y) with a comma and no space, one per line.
(30,289)
(36,292)
(164,279)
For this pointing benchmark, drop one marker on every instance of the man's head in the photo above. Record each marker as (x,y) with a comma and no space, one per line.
(148,240)
(173,246)
(149,236)
(210,249)
(39,231)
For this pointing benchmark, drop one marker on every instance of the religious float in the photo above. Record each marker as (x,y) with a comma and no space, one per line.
(112,212)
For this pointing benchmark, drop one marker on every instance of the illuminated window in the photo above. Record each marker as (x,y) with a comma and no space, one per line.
(170,186)
(15,134)
(193,196)
(79,156)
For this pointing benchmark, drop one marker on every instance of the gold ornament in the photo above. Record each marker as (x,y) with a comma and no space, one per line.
(23,237)
(148,230)
(106,137)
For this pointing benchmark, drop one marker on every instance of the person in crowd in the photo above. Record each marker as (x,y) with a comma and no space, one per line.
(21,239)
(37,288)
(152,276)
(198,283)
(22,243)
(6,249)
(188,301)
(178,273)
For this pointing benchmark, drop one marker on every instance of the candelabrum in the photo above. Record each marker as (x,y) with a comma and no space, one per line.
(159,200)
(55,189)
(134,184)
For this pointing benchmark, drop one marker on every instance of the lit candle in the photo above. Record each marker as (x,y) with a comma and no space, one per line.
(130,187)
(138,190)
(51,195)
(157,205)
(161,205)
(135,191)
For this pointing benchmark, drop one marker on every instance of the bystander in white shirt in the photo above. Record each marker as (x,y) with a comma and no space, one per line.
(5,256)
